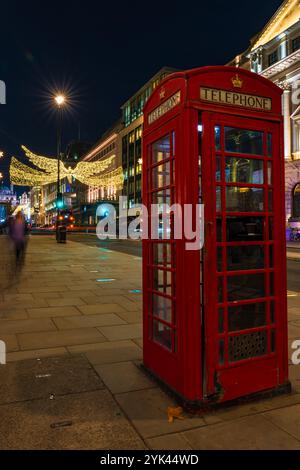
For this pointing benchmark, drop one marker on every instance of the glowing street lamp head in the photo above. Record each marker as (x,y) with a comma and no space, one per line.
(60,99)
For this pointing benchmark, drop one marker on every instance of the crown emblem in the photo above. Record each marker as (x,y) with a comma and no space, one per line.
(237,81)
(162,93)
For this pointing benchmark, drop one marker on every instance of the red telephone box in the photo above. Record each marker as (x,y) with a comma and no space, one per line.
(215,319)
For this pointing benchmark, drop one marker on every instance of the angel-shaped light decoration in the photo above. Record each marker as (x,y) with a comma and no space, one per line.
(97,174)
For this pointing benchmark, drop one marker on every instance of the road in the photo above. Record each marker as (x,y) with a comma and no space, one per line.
(134,248)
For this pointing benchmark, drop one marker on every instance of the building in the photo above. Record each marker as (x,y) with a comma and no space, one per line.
(8,196)
(131,137)
(71,189)
(108,187)
(275,54)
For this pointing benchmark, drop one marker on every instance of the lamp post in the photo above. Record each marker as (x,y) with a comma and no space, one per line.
(60,101)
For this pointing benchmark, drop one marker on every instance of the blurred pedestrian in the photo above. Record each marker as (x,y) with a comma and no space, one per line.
(17,234)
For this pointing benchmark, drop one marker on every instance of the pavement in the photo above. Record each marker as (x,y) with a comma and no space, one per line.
(72,324)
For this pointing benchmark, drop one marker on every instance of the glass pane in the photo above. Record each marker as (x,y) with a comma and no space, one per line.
(219,230)
(218,137)
(244,199)
(244,170)
(272,311)
(271,284)
(247,345)
(162,197)
(269,145)
(270,173)
(162,308)
(241,229)
(162,281)
(162,334)
(220,290)
(218,169)
(241,258)
(273,340)
(162,254)
(244,317)
(270,200)
(221,320)
(271,228)
(243,141)
(161,149)
(219,259)
(218,199)
(161,175)
(246,286)
(221,352)
(271,259)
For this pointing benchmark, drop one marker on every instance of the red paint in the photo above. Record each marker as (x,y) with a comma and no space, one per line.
(192,364)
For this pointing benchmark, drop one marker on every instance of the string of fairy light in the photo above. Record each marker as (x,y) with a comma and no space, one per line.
(96,174)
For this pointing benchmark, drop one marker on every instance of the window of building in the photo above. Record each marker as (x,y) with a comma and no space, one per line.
(296,44)
(296,202)
(273,58)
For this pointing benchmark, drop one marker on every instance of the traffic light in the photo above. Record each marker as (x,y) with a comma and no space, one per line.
(59,201)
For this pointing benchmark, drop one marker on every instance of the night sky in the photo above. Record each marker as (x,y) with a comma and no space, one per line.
(100,53)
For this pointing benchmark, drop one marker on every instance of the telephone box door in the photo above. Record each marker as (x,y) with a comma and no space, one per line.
(244,320)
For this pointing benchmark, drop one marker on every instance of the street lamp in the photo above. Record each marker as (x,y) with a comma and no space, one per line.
(60,101)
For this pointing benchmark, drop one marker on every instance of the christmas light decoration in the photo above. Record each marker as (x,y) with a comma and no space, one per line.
(97,174)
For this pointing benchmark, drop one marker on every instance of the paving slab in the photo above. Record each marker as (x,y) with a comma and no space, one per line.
(250,433)
(35,354)
(287,419)
(85,421)
(40,378)
(147,410)
(59,338)
(100,308)
(10,341)
(169,442)
(114,351)
(85,321)
(124,377)
(28,325)
(52,312)
(115,333)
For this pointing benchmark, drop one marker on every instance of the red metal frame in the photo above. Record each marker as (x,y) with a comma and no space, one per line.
(188,361)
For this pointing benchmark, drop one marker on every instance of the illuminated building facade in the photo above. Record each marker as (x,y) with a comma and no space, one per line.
(110,184)
(275,54)
(131,138)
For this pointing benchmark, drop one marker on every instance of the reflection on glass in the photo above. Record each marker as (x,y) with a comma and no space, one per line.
(162,197)
(269,145)
(246,286)
(218,199)
(162,308)
(244,317)
(218,168)
(241,258)
(161,175)
(244,170)
(162,334)
(270,173)
(161,149)
(241,229)
(243,141)
(244,199)
(218,137)
(162,254)
(162,281)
